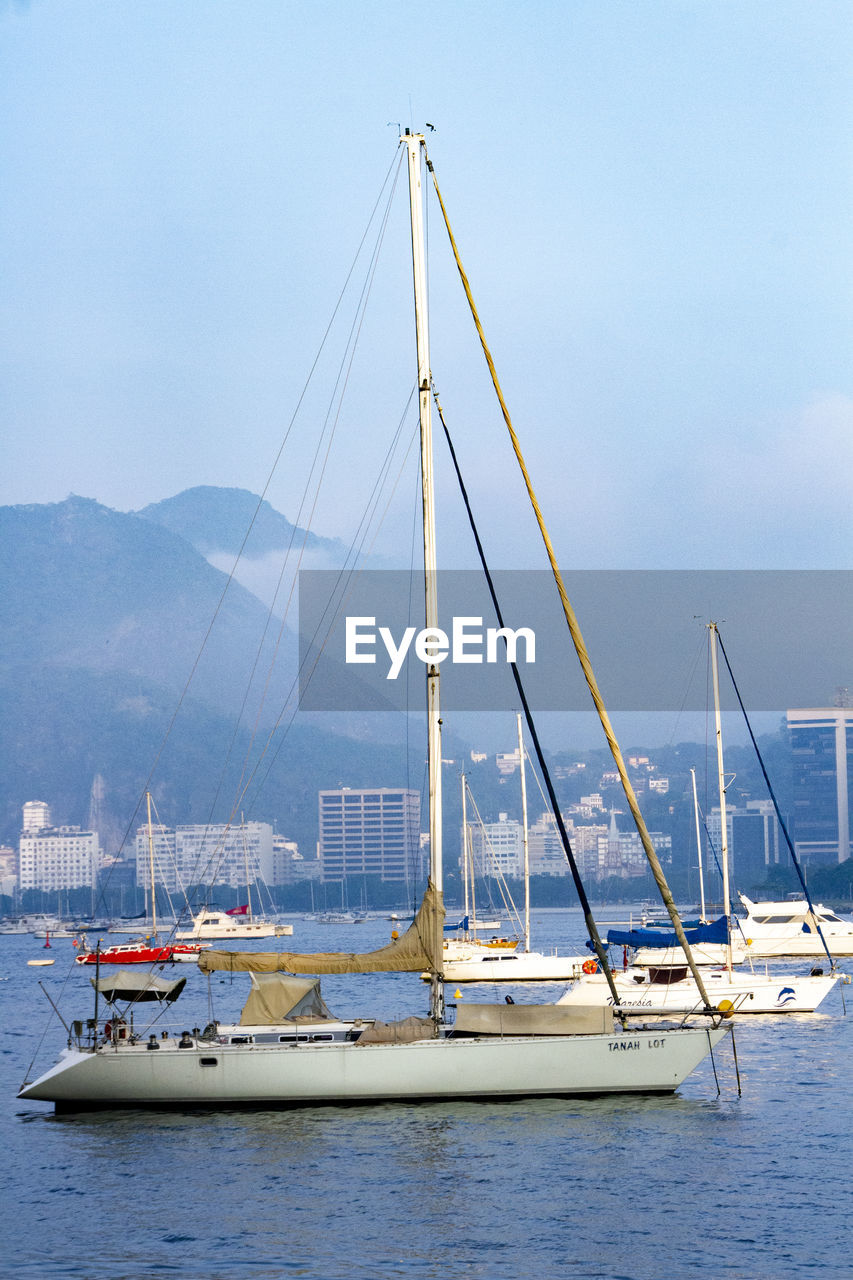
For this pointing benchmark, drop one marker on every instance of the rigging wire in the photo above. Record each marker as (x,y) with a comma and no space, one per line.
(395,163)
(589,919)
(772,793)
(574,627)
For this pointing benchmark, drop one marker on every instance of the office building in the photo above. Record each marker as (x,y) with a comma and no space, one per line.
(374,832)
(822,762)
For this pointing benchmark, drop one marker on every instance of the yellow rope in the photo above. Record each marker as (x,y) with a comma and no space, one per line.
(574,627)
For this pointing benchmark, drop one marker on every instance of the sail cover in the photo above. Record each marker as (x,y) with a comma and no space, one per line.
(716,931)
(417,949)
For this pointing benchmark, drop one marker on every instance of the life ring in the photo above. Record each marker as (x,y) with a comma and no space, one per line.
(589,966)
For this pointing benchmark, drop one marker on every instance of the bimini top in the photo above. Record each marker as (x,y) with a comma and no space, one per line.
(135,987)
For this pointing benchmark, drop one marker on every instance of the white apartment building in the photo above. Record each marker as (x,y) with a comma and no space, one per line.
(545,848)
(54,858)
(498,847)
(205,854)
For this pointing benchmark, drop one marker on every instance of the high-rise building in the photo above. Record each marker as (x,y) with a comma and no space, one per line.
(52,858)
(754,841)
(822,763)
(373,832)
(205,854)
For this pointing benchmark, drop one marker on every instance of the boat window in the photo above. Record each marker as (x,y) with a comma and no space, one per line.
(241,1040)
(287,1039)
(208,1062)
(828,915)
(324,1036)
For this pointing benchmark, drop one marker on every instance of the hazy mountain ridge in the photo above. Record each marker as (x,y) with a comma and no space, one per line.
(103,616)
(217,519)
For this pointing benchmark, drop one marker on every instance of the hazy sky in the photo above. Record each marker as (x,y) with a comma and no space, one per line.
(653,202)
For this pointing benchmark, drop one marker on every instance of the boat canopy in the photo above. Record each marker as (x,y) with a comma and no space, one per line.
(136,987)
(277,998)
(417,949)
(716,931)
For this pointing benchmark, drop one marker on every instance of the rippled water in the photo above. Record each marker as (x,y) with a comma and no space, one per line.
(693,1185)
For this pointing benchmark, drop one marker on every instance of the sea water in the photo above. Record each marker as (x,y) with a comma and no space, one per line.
(703,1183)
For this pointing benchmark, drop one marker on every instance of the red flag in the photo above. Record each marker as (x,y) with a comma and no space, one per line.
(239,911)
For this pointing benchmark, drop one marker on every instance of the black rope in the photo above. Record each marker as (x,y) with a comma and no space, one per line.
(772,793)
(564,836)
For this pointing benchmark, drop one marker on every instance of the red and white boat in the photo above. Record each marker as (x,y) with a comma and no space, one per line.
(145,951)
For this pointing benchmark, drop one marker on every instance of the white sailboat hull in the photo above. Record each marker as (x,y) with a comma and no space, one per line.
(530,966)
(748,992)
(637,1061)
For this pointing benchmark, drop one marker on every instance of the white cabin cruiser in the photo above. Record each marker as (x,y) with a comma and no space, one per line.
(791,929)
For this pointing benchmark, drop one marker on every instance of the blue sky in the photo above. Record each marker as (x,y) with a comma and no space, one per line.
(653,202)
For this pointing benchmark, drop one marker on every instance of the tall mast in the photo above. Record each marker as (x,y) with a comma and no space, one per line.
(724,834)
(524,836)
(151,869)
(246,865)
(698,849)
(414,145)
(465,846)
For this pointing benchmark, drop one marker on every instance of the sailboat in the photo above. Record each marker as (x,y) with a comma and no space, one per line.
(656,946)
(288,1049)
(144,950)
(469,961)
(668,986)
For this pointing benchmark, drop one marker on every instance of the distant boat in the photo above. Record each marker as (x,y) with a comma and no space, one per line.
(669,986)
(227,924)
(144,951)
(41,962)
(472,960)
(790,929)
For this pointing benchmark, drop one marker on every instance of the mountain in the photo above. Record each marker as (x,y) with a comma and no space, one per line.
(214,519)
(107,635)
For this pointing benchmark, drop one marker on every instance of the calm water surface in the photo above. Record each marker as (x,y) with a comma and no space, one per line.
(693,1185)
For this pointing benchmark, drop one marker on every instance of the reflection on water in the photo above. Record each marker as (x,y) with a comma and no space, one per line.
(692,1185)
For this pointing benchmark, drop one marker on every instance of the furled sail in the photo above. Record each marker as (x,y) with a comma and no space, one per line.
(417,949)
(715,932)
